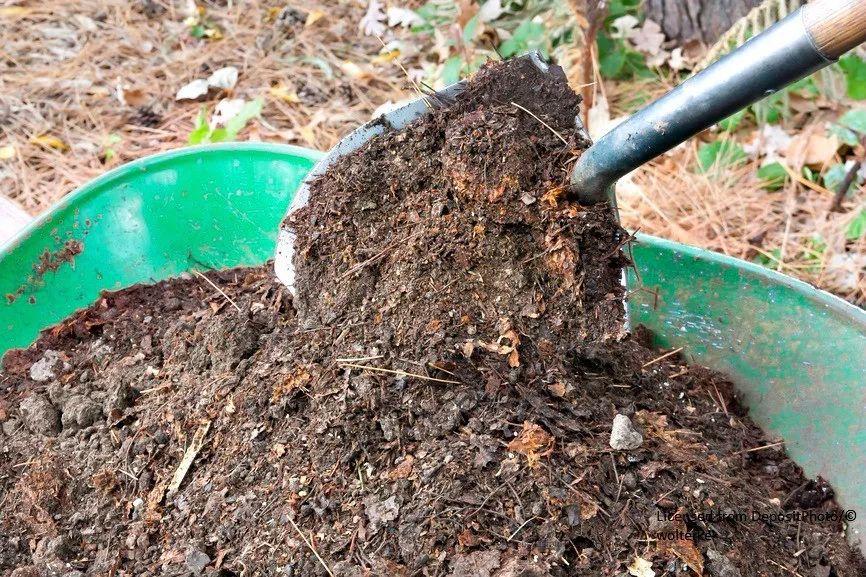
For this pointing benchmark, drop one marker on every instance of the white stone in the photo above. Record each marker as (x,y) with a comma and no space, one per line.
(623,436)
(43,369)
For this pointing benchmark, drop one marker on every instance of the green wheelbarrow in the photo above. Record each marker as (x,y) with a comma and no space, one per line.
(798,354)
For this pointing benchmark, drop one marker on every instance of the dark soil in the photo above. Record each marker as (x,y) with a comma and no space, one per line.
(438,402)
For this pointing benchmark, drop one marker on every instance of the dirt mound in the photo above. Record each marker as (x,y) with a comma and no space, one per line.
(452,397)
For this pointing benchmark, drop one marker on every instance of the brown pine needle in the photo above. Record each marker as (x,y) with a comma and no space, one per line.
(661,358)
(550,128)
(310,547)
(399,373)
(791,571)
(761,448)
(805,181)
(358,359)
(219,290)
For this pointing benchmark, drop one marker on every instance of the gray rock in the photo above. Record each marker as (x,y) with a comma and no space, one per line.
(44,369)
(39,415)
(119,398)
(379,512)
(79,412)
(623,435)
(720,566)
(475,564)
(50,555)
(10,426)
(197,560)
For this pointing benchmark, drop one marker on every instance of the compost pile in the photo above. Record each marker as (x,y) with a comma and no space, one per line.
(450,394)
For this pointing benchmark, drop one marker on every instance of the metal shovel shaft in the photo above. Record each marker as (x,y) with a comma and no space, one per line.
(781,55)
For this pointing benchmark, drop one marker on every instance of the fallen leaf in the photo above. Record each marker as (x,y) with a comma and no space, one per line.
(226,109)
(490,10)
(533,442)
(192,90)
(466,10)
(556,389)
(355,71)
(652,469)
(313,17)
(623,25)
(48,141)
(224,78)
(651,419)
(13,11)
(812,149)
(403,17)
(373,21)
(588,508)
(298,379)
(688,554)
(684,548)
(648,38)
(640,567)
(403,470)
(769,142)
(284,93)
(131,97)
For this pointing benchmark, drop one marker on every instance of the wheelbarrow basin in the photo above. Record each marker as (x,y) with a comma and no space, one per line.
(797,354)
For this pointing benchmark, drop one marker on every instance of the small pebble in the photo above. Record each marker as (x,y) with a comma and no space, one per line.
(623,435)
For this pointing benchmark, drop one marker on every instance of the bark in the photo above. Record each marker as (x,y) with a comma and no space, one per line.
(706,20)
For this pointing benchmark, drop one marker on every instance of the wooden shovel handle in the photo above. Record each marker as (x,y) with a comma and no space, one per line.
(836,26)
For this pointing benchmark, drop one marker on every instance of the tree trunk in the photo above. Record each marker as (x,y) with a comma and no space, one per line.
(705,20)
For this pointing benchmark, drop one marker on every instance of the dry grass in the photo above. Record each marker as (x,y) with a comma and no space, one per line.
(61,65)
(727,211)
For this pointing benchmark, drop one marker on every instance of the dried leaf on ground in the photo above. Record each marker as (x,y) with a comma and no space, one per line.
(640,567)
(224,78)
(49,141)
(812,149)
(192,90)
(533,442)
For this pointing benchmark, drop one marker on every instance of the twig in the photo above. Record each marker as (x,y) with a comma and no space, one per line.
(219,290)
(761,448)
(355,359)
(400,373)
(524,524)
(721,400)
(661,358)
(375,257)
(188,457)
(836,205)
(791,571)
(406,72)
(310,546)
(550,128)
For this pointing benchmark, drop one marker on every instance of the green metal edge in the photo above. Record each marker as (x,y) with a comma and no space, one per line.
(148,220)
(797,354)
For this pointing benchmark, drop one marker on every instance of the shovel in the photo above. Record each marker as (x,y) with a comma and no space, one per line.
(807,40)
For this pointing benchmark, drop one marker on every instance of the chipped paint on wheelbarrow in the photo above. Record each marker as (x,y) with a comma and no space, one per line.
(797,353)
